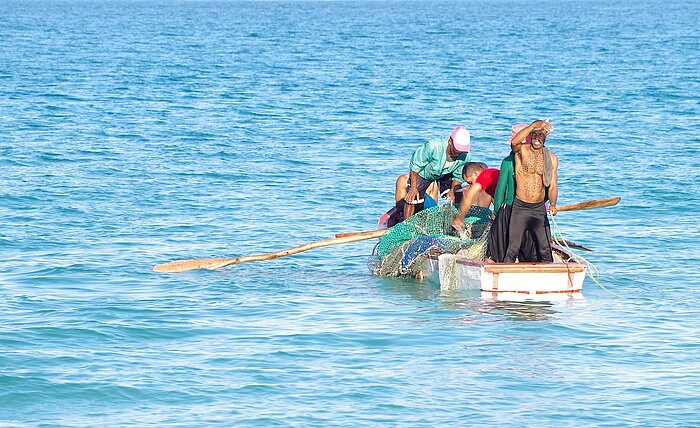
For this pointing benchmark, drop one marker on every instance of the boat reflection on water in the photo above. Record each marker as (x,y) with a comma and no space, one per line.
(521,311)
(471,304)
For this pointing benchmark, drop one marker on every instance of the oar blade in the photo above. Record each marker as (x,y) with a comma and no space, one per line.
(192,264)
(589,205)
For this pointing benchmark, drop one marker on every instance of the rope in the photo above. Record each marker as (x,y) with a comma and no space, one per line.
(592,270)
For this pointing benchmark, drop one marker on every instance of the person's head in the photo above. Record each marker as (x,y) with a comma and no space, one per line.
(471,171)
(537,139)
(459,142)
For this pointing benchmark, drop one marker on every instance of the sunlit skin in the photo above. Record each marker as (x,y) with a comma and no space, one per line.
(529,165)
(481,198)
(401,183)
(474,194)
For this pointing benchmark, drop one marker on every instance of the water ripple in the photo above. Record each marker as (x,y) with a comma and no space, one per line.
(140,132)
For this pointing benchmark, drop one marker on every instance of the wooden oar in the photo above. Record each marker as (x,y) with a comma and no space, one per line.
(212,264)
(341,238)
(578,206)
(589,205)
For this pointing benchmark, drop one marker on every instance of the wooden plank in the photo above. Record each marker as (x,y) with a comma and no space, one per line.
(533,268)
(469,262)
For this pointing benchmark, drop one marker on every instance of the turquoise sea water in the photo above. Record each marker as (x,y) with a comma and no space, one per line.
(138,132)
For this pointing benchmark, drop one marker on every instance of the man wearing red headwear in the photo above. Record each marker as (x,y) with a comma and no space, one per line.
(535,182)
(441,160)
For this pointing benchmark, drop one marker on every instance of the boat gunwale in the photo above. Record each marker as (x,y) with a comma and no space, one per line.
(534,267)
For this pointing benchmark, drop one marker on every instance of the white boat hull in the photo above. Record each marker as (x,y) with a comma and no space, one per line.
(508,281)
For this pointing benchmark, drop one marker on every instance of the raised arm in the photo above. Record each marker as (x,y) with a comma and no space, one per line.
(516,143)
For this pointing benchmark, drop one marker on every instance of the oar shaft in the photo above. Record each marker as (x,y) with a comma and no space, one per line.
(217,263)
(341,238)
(346,234)
(578,206)
(304,247)
(588,205)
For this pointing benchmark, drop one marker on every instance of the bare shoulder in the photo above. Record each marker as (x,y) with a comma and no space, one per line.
(555,159)
(516,147)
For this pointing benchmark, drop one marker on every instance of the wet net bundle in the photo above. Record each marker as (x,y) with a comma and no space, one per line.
(402,250)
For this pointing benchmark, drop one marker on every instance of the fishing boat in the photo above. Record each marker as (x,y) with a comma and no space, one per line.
(432,257)
(561,280)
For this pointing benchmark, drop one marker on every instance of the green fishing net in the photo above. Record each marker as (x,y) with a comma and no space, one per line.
(402,250)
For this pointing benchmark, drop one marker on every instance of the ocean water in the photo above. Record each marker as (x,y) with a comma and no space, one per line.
(134,132)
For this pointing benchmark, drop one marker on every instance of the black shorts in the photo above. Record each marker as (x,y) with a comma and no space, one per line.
(444,183)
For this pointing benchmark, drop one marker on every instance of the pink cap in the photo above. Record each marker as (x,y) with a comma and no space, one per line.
(461,139)
(517,128)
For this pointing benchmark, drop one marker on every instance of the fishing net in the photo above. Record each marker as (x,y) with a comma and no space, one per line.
(402,250)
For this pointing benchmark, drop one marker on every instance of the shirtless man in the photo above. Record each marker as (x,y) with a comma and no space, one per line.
(535,181)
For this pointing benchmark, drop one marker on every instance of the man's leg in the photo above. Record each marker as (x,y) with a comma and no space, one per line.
(528,248)
(401,187)
(410,209)
(519,221)
(543,236)
(442,185)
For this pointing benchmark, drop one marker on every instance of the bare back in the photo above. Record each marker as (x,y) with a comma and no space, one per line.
(482,200)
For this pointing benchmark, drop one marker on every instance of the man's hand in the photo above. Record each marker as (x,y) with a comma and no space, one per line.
(451,196)
(553,209)
(541,125)
(411,195)
(458,223)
